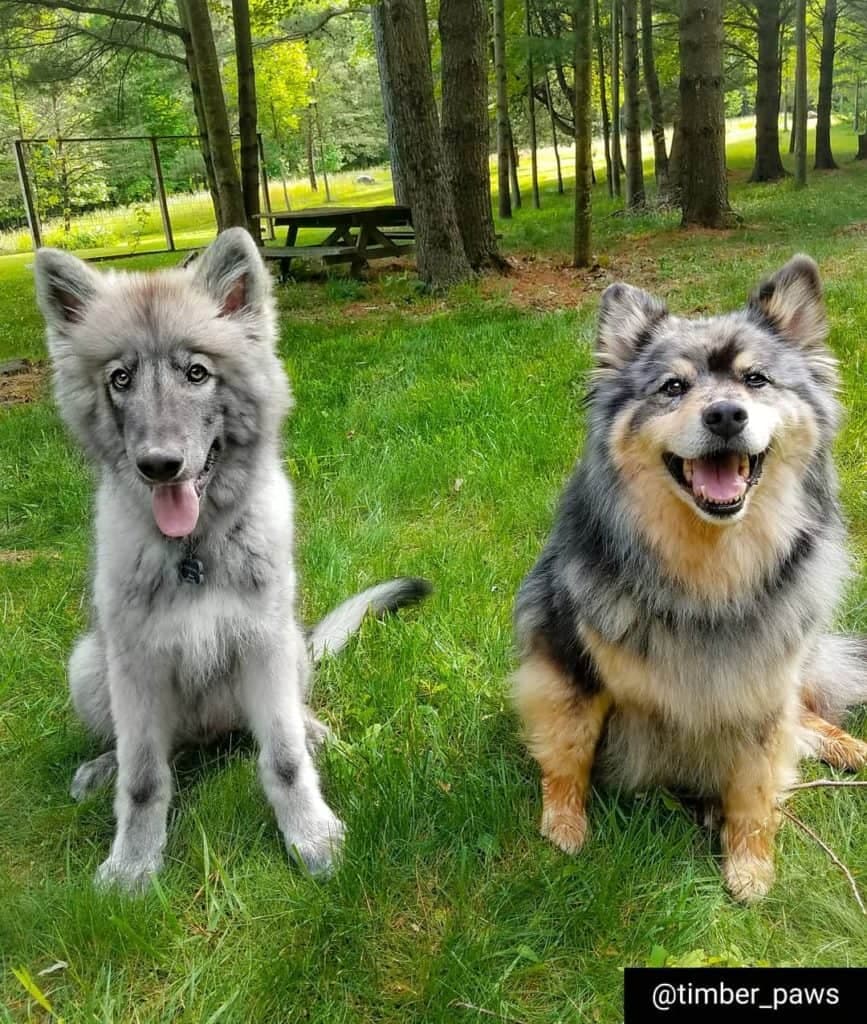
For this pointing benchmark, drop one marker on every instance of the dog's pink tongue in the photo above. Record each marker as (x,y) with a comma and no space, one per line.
(176,508)
(719,478)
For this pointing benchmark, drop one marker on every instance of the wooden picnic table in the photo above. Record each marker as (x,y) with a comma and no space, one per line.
(358,234)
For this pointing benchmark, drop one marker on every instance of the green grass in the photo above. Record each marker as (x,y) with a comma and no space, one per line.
(447,895)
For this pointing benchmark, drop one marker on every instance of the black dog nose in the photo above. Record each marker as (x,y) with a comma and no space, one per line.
(726,419)
(160,467)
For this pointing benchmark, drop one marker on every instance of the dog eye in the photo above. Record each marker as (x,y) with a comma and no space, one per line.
(120,380)
(674,386)
(756,380)
(197,374)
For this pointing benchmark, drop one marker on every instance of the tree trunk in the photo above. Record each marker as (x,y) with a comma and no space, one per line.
(531,110)
(793,134)
(824,157)
(198,111)
(401,196)
(323,170)
(768,165)
(635,198)
(582,25)
(603,99)
(442,261)
(799,120)
(651,83)
(463,27)
(674,160)
(513,169)
(311,163)
(856,113)
(247,115)
(862,147)
(703,185)
(550,105)
(198,21)
(616,155)
(504,199)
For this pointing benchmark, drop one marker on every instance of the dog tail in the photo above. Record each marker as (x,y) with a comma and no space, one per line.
(836,675)
(332,633)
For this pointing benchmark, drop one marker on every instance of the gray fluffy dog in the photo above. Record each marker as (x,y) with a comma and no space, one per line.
(171,383)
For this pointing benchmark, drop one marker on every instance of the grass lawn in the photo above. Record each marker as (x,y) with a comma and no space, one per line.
(431,436)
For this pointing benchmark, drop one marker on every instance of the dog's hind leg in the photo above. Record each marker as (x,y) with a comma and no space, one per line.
(88,685)
(93,775)
(831,744)
(563,727)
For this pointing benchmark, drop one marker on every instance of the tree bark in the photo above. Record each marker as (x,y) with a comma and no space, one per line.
(401,196)
(793,134)
(674,160)
(799,119)
(635,196)
(768,164)
(651,83)
(582,26)
(549,103)
(247,115)
(703,184)
(311,163)
(531,110)
(616,154)
(824,157)
(517,202)
(463,27)
(603,99)
(504,199)
(198,111)
(442,261)
(198,19)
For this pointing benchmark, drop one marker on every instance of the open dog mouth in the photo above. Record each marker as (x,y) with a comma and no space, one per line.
(718,483)
(176,505)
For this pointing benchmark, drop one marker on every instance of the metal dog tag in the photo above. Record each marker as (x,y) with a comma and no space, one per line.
(191,570)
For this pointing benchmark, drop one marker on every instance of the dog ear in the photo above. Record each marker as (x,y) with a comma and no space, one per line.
(64,287)
(791,302)
(231,271)
(627,318)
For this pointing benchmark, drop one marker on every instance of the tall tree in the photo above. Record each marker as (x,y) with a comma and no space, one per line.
(198,20)
(799,117)
(549,103)
(582,26)
(824,157)
(504,155)
(651,84)
(703,184)
(635,195)
(463,27)
(442,261)
(768,164)
(616,154)
(531,108)
(603,99)
(247,114)
(397,180)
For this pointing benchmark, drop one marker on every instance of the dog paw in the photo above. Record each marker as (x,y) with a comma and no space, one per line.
(316,733)
(566,830)
(850,754)
(748,878)
(319,846)
(130,877)
(92,775)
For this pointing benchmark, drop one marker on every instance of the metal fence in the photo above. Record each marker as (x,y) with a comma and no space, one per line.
(104,196)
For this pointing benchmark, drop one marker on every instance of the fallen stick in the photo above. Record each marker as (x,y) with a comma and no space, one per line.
(821,842)
(842,783)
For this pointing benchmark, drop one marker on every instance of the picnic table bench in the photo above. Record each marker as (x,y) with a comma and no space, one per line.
(358,234)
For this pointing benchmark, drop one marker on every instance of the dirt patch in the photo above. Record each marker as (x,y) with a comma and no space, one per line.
(22,381)
(24,556)
(849,230)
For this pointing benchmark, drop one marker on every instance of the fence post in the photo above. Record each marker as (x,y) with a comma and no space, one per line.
(161,195)
(266,194)
(29,205)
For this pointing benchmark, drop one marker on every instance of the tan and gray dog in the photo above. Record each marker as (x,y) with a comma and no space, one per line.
(674,630)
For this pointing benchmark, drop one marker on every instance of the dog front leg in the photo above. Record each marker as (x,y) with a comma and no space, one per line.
(142,706)
(272,690)
(750,813)
(563,726)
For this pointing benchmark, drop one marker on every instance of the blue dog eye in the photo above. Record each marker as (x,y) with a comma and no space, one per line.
(756,380)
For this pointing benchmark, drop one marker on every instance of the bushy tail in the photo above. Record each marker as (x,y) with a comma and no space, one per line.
(332,634)
(835,678)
